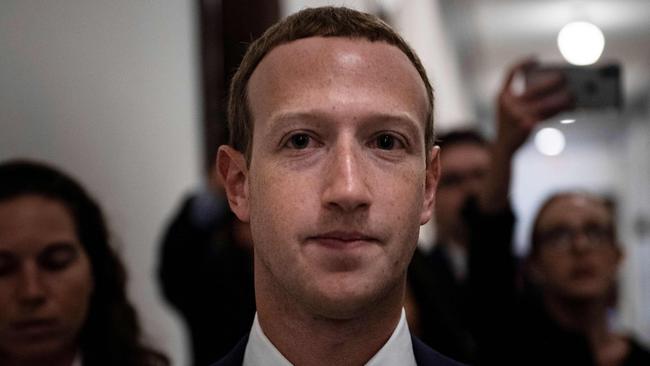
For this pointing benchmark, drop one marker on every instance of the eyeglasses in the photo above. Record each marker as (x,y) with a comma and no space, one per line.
(562,238)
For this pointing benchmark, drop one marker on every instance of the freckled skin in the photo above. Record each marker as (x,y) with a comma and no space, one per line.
(28,226)
(339,92)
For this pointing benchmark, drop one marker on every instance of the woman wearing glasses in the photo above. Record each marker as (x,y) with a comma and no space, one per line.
(562,317)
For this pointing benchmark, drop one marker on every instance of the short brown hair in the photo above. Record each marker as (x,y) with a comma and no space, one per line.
(313,22)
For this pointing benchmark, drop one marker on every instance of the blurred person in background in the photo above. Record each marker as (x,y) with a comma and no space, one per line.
(561,316)
(206,273)
(473,214)
(62,288)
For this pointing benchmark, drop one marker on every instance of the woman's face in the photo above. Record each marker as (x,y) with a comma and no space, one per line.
(45,279)
(578,257)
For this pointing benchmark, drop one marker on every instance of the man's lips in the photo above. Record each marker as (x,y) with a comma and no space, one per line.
(343,239)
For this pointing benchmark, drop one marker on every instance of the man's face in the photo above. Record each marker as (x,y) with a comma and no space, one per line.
(577,256)
(338,182)
(464,169)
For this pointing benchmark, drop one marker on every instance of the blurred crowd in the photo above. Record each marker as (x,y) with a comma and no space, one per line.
(62,286)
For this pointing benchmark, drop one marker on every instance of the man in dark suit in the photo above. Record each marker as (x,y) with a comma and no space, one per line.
(332,162)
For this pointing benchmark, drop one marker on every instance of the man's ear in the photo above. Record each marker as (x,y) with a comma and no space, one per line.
(233,172)
(431,185)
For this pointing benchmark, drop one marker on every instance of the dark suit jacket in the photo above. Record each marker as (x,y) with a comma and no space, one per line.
(424,356)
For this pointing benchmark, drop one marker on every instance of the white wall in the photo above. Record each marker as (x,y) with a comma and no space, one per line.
(107,91)
(636,209)
(591,160)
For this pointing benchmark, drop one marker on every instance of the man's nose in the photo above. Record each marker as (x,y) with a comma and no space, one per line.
(31,290)
(346,181)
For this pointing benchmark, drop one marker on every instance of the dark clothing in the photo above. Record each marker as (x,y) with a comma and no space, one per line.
(638,355)
(441,324)
(446,304)
(236,356)
(424,356)
(208,279)
(533,338)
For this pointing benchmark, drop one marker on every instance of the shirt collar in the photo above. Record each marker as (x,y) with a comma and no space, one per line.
(260,350)
(398,350)
(458,259)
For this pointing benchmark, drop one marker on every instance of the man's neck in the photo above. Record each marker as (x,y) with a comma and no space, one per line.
(305,338)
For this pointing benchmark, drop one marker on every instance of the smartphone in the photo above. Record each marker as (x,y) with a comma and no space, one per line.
(592,87)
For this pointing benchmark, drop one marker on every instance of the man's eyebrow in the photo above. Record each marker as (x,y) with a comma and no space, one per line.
(401,118)
(287,120)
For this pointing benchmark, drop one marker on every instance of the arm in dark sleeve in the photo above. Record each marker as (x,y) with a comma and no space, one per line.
(492,274)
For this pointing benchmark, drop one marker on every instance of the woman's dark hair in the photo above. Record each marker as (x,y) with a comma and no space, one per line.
(111,333)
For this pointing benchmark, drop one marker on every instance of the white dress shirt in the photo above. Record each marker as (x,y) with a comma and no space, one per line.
(398,350)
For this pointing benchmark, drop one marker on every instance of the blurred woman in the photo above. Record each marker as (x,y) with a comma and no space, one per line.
(62,288)
(574,262)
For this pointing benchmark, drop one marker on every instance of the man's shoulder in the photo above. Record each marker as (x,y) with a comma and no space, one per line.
(236,356)
(426,356)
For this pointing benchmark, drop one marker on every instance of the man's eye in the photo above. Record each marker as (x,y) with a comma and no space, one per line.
(299,141)
(387,141)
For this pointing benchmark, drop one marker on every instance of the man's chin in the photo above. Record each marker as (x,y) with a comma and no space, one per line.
(344,302)
(335,308)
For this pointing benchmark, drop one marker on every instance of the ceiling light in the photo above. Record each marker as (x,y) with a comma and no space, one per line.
(581,43)
(550,141)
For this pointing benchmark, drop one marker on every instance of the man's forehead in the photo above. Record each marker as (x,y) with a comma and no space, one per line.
(339,53)
(308,67)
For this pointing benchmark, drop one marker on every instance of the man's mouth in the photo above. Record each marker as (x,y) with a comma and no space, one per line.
(343,239)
